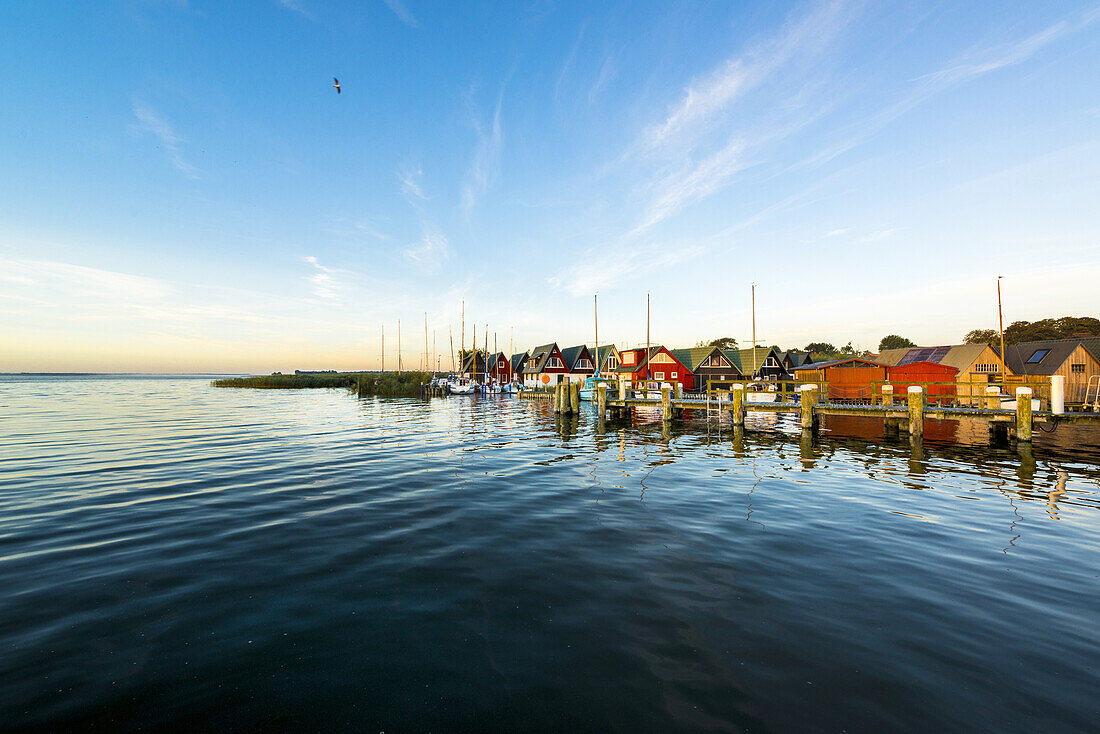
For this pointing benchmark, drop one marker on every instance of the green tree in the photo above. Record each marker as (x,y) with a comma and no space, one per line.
(1059,328)
(848,349)
(980,336)
(820,348)
(725,342)
(893,341)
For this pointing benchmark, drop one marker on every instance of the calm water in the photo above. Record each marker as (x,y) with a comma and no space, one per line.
(178,556)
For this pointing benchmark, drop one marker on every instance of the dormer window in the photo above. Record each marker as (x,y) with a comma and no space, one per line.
(628,358)
(584,364)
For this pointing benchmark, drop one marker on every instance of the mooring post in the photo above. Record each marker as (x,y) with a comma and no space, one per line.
(601,399)
(888,395)
(666,403)
(737,404)
(916,411)
(992,397)
(1023,414)
(1057,394)
(806,399)
(679,391)
(575,397)
(622,387)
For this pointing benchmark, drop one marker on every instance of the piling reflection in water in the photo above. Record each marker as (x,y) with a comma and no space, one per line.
(176,556)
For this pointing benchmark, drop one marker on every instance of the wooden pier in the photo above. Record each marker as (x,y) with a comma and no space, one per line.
(902,416)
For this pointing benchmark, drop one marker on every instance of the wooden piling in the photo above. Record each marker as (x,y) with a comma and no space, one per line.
(601,399)
(666,403)
(806,400)
(992,398)
(575,397)
(916,411)
(888,395)
(622,388)
(1023,414)
(737,404)
(679,391)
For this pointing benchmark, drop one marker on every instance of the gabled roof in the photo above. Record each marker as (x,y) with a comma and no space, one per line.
(797,358)
(734,356)
(835,362)
(762,354)
(570,355)
(518,361)
(602,354)
(541,354)
(693,357)
(474,362)
(1092,346)
(959,356)
(496,360)
(1019,356)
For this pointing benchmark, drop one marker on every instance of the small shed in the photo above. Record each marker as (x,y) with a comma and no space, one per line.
(902,376)
(849,379)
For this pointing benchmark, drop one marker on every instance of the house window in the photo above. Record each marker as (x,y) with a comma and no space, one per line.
(1038,356)
(715,362)
(662,358)
(554,362)
(674,375)
(658,375)
(628,358)
(612,362)
(770,362)
(1078,368)
(584,364)
(986,368)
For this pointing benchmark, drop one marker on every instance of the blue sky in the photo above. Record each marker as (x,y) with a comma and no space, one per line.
(182,189)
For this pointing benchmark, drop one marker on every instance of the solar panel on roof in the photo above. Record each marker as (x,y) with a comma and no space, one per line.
(924,354)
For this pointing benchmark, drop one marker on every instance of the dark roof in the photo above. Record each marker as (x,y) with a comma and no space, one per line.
(518,360)
(570,355)
(541,354)
(1057,352)
(734,356)
(923,354)
(603,352)
(693,357)
(474,362)
(835,362)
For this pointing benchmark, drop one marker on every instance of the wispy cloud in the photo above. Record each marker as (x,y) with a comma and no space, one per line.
(601,268)
(693,183)
(79,280)
(486,164)
(297,6)
(369,230)
(149,121)
(880,235)
(410,182)
(326,283)
(401,12)
(430,251)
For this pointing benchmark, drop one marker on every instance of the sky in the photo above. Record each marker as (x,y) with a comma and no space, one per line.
(183,190)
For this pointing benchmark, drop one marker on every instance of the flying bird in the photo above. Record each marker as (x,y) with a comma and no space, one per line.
(336,83)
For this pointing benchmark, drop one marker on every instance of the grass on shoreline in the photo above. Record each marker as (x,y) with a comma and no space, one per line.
(407,384)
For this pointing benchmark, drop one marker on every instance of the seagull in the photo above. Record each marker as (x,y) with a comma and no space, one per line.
(336,84)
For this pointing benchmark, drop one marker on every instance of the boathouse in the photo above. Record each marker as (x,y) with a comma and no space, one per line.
(793,358)
(850,379)
(473,365)
(579,363)
(977,365)
(517,363)
(707,364)
(762,363)
(545,366)
(1069,358)
(500,369)
(658,365)
(926,375)
(607,359)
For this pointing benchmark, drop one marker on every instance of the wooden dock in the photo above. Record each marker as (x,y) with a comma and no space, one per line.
(906,415)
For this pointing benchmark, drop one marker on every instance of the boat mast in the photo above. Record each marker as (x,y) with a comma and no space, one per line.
(399,346)
(754,330)
(596,315)
(473,364)
(647,337)
(435,354)
(427,367)
(451,336)
(462,356)
(383,349)
(1001,326)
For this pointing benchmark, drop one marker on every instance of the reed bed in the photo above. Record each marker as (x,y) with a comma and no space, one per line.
(406,384)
